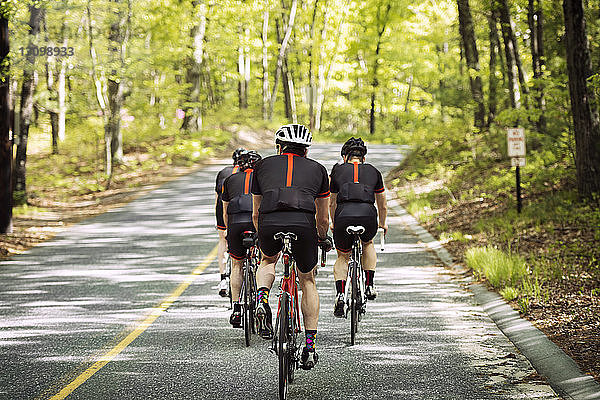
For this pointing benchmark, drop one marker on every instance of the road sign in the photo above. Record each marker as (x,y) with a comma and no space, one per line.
(516,142)
(517,161)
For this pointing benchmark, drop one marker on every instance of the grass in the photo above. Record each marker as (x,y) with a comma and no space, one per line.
(501,269)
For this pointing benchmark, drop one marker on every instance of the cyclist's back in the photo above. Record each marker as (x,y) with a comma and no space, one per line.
(290,194)
(356,187)
(355,184)
(289,184)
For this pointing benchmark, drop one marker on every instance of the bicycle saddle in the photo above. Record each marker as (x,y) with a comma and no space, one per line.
(248,239)
(281,235)
(358,230)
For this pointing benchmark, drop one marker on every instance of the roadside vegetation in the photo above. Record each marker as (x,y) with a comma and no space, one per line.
(545,260)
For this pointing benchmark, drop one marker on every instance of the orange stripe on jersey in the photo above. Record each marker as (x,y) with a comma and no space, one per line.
(247,181)
(355,171)
(290,168)
(235,169)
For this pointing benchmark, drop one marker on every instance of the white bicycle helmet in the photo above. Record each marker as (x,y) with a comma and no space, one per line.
(294,133)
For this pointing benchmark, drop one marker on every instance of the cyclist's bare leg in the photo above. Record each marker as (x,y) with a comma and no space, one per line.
(310,300)
(236,279)
(221,249)
(369,260)
(340,268)
(369,257)
(265,274)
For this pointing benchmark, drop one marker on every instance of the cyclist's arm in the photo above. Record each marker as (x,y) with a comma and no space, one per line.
(322,216)
(256,200)
(225,204)
(332,206)
(381,209)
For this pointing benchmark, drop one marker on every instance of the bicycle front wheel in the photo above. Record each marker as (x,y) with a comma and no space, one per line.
(283,344)
(353,301)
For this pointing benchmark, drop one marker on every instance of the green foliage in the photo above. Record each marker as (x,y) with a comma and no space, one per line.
(499,268)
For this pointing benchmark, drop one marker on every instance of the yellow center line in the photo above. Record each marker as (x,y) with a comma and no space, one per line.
(141,327)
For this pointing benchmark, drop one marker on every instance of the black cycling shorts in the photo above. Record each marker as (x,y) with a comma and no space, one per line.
(347,214)
(304,249)
(234,238)
(219,215)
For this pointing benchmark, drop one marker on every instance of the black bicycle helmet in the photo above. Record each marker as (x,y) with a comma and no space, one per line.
(248,159)
(236,155)
(354,145)
(252,158)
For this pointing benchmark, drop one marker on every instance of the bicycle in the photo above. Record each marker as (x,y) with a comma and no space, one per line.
(354,296)
(248,290)
(287,323)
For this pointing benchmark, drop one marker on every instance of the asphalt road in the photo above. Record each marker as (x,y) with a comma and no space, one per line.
(124,306)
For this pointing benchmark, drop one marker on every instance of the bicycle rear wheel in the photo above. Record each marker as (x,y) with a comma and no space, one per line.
(228,267)
(251,289)
(247,308)
(283,344)
(353,302)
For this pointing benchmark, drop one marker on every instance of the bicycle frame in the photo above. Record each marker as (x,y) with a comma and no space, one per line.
(289,285)
(355,261)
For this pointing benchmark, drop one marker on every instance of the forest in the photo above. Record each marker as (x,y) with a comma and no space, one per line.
(113,76)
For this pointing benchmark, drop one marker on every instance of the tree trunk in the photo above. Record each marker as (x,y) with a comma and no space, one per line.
(281,56)
(536,27)
(467,33)
(265,61)
(311,76)
(27,89)
(243,69)
(493,81)
(583,103)
(118,38)
(193,111)
(5,139)
(62,96)
(509,52)
(381,25)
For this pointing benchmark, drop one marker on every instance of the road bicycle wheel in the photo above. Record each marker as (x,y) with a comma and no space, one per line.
(283,343)
(251,289)
(228,273)
(247,307)
(292,346)
(353,302)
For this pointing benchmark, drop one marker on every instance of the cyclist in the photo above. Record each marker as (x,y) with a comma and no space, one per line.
(237,214)
(355,187)
(222,246)
(290,194)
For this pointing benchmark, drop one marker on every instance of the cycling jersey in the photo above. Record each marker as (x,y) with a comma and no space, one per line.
(356,182)
(356,185)
(236,191)
(289,184)
(221,176)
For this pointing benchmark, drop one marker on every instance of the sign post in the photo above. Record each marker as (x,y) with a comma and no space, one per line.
(516,151)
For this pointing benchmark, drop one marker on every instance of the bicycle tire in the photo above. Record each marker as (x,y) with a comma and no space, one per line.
(353,303)
(292,346)
(283,344)
(247,310)
(228,268)
(252,299)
